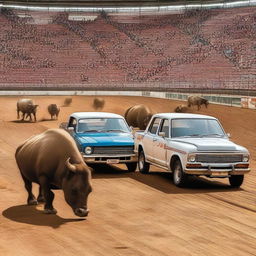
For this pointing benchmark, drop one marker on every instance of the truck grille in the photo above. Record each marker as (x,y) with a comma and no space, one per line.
(204,158)
(121,150)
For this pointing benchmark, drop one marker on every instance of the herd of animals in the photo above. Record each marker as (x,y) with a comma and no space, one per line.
(64,167)
(28,108)
(136,116)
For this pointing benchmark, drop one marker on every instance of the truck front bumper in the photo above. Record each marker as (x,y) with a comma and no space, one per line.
(217,171)
(109,159)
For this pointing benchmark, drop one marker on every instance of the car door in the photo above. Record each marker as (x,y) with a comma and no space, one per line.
(160,152)
(150,138)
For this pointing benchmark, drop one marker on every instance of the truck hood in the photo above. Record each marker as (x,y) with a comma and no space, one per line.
(106,139)
(211,144)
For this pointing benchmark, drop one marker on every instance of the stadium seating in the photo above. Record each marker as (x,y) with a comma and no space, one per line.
(194,49)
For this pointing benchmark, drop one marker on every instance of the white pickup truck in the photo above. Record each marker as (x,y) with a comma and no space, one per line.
(190,144)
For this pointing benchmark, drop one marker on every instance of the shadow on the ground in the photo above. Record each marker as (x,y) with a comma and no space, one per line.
(29,214)
(163,181)
(47,119)
(32,122)
(23,121)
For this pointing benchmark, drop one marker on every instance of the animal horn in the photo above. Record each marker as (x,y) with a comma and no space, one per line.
(70,166)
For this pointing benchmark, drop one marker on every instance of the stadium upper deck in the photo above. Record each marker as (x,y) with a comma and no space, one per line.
(186,49)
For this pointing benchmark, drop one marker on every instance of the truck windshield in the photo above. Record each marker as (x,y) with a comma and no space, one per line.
(196,128)
(102,125)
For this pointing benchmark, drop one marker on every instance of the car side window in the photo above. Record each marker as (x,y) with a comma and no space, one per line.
(154,126)
(165,127)
(72,122)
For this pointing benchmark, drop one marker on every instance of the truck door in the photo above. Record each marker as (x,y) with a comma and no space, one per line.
(160,143)
(150,138)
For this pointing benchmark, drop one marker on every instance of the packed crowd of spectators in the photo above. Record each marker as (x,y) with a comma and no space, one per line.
(126,45)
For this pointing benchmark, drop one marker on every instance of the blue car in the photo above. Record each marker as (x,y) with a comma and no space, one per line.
(103,138)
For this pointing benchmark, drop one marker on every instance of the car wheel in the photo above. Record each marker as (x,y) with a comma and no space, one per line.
(142,164)
(131,166)
(180,178)
(236,180)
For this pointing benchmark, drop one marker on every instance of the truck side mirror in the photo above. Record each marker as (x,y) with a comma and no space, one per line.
(229,135)
(161,134)
(71,129)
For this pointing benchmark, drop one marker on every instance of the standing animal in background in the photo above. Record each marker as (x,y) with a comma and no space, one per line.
(67,101)
(198,101)
(98,103)
(138,116)
(52,160)
(181,109)
(27,107)
(53,110)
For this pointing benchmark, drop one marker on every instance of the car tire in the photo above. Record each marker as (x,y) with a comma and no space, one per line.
(131,166)
(142,164)
(180,179)
(236,180)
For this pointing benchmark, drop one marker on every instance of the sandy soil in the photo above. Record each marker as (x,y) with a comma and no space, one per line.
(131,213)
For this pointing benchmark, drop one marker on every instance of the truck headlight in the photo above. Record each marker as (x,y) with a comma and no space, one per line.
(191,158)
(88,150)
(245,158)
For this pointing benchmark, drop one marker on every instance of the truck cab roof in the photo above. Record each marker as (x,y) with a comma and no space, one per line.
(79,115)
(181,115)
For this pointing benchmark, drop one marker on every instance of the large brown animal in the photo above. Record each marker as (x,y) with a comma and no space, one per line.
(181,109)
(53,110)
(52,160)
(27,107)
(138,116)
(67,101)
(98,103)
(197,101)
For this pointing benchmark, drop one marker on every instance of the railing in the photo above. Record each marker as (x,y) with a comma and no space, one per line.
(156,6)
(235,87)
(230,100)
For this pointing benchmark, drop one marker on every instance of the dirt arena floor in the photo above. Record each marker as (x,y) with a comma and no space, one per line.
(130,213)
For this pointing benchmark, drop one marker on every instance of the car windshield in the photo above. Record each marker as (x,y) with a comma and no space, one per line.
(196,128)
(102,125)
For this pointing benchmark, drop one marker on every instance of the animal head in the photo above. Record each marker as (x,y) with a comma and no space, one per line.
(77,186)
(54,107)
(32,108)
(177,109)
(205,102)
(181,109)
(147,119)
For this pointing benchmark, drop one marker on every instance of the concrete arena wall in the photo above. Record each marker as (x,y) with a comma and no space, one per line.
(229,100)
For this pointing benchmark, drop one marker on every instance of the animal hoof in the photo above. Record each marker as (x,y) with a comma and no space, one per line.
(40,199)
(32,202)
(50,211)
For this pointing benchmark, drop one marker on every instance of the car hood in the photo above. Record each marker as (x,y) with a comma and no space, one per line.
(106,139)
(211,144)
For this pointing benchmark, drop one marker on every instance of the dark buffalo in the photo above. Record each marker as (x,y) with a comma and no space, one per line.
(98,103)
(181,109)
(138,116)
(27,107)
(52,160)
(53,110)
(198,101)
